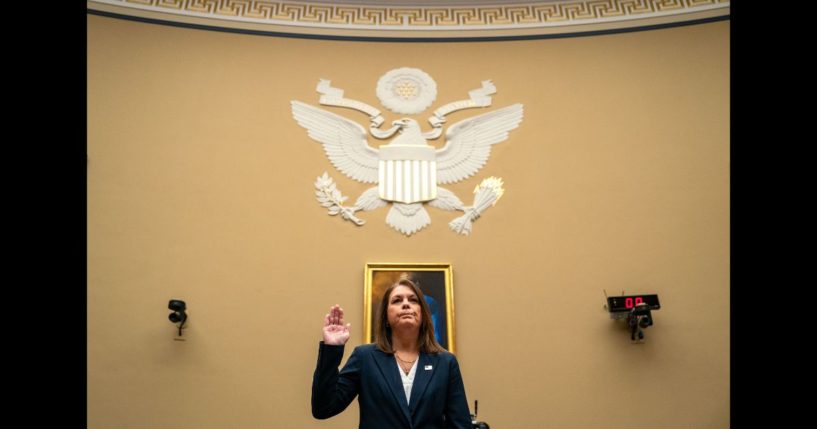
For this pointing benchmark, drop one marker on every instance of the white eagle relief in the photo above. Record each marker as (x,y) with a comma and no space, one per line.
(407,170)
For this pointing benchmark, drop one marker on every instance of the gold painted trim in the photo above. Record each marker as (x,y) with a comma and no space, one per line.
(445,268)
(442,22)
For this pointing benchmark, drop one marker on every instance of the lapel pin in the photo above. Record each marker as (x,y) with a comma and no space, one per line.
(428,367)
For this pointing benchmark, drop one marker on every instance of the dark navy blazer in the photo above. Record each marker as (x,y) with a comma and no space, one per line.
(437,394)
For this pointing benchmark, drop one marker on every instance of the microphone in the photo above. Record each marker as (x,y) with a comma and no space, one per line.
(474,422)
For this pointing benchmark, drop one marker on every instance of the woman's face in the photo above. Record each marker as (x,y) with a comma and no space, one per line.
(404,308)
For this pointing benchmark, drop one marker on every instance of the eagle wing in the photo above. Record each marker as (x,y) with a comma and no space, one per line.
(468,142)
(343,140)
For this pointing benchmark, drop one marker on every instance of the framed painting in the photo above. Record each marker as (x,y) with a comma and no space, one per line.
(434,280)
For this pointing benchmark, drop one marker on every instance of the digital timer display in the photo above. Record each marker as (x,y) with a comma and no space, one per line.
(621,304)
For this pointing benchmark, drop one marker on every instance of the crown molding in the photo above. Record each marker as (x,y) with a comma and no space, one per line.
(418,21)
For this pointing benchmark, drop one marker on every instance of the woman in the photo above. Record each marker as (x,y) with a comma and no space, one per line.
(403,380)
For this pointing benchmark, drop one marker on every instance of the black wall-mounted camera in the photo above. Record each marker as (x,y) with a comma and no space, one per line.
(178,315)
(640,317)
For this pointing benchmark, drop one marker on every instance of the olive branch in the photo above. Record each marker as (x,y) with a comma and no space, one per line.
(330,197)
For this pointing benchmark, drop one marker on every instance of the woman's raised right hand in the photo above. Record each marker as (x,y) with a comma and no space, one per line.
(335,332)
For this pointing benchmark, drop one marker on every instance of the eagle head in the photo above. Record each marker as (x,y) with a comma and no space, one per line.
(406,124)
(410,132)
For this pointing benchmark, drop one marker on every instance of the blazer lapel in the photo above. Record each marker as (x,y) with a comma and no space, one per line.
(391,376)
(426,368)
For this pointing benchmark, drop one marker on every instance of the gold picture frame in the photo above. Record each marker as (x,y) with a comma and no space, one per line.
(436,281)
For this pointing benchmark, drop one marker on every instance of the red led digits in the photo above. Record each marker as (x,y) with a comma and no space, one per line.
(629,303)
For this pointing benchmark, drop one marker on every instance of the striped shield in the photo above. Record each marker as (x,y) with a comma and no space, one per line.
(408,173)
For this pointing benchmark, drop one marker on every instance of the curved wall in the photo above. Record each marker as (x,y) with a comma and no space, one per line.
(200,187)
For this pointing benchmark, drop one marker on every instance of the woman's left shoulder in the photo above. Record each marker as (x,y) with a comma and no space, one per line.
(447,356)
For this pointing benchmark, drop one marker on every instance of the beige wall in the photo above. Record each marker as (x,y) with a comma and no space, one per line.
(200,188)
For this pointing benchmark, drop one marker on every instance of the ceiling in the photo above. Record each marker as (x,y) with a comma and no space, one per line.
(419,19)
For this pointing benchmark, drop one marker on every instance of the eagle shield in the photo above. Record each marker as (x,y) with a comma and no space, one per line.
(407,173)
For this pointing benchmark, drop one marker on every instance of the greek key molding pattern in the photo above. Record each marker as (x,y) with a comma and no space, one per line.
(424,18)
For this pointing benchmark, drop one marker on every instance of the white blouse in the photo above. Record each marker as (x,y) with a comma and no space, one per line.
(408,380)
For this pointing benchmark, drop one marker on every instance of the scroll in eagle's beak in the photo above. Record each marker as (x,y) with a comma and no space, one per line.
(399,122)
